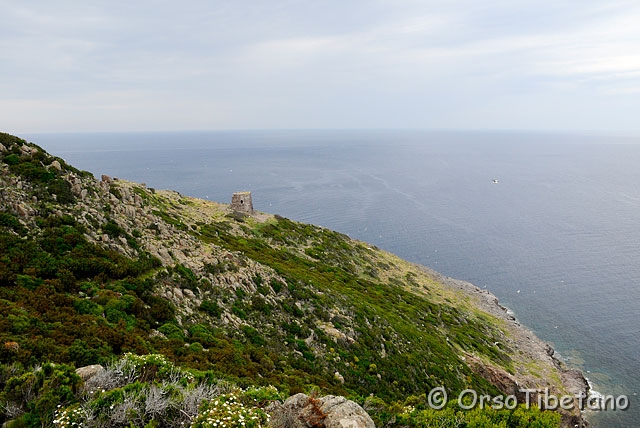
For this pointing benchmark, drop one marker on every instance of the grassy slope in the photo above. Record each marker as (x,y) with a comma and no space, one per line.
(259,300)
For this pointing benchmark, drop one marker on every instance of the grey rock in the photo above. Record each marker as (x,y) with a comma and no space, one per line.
(76,189)
(87,372)
(178,293)
(343,413)
(156,333)
(289,414)
(130,211)
(55,164)
(126,194)
(164,256)
(23,210)
(302,411)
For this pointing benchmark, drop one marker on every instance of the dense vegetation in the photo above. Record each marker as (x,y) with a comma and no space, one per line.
(318,312)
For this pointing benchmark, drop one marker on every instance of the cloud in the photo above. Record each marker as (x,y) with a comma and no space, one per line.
(287,63)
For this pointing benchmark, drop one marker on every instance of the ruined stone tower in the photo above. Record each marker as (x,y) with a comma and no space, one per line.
(241,202)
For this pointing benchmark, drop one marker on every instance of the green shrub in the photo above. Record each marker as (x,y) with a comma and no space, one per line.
(196,347)
(238,310)
(62,189)
(12,159)
(253,335)
(171,331)
(453,416)
(211,307)
(112,229)
(276,285)
(39,392)
(258,303)
(11,221)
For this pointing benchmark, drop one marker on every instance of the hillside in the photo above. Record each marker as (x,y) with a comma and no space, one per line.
(93,270)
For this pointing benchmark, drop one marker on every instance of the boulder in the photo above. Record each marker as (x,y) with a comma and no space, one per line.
(164,256)
(130,211)
(23,210)
(87,372)
(76,189)
(302,411)
(343,413)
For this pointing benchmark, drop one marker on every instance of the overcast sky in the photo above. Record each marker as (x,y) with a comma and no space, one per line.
(186,65)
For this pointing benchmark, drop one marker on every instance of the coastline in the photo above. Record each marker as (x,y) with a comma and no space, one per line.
(530,347)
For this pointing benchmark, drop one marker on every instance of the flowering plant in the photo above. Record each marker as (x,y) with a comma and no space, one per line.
(69,416)
(227,411)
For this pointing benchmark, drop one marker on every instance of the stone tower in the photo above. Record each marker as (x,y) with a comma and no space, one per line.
(241,202)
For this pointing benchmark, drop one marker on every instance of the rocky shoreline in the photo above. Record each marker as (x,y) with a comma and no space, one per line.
(523,341)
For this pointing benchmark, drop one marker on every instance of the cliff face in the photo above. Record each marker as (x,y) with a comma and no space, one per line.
(93,268)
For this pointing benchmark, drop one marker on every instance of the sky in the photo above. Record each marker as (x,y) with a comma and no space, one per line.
(83,66)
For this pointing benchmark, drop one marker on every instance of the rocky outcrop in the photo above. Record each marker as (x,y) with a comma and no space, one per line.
(87,372)
(302,411)
(532,351)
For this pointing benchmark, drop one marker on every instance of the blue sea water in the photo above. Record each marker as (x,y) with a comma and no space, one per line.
(557,238)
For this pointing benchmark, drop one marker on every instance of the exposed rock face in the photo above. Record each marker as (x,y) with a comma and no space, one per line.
(302,411)
(530,348)
(505,382)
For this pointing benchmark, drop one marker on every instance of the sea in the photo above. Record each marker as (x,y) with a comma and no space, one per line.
(548,222)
